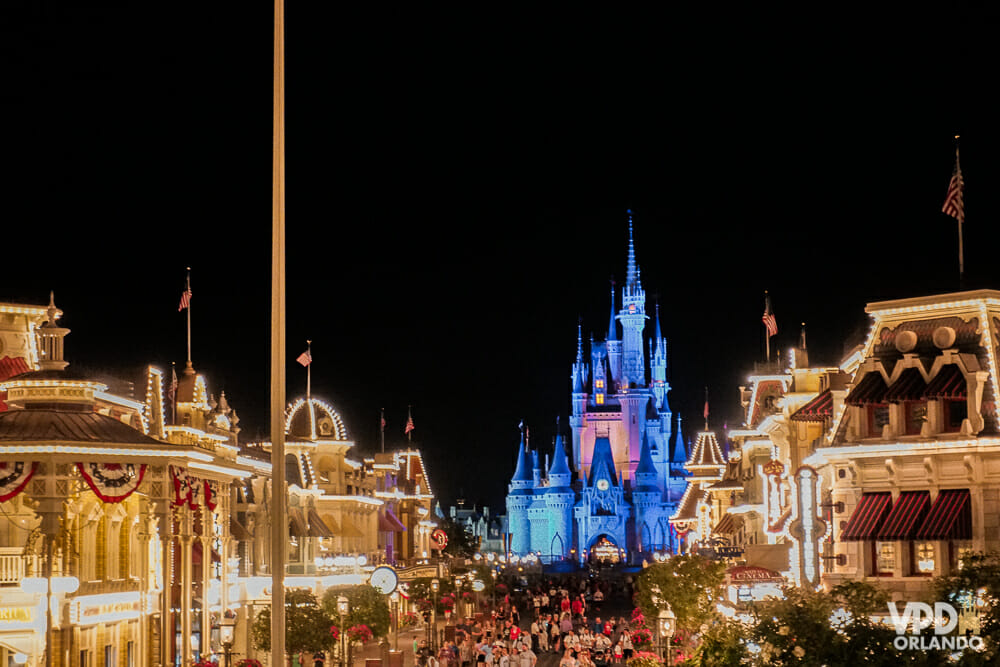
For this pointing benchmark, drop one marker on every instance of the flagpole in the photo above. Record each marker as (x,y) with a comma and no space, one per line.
(189,317)
(278,518)
(309,371)
(961,219)
(382,428)
(767,334)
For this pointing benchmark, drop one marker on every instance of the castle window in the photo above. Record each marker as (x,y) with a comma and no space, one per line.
(600,399)
(599,384)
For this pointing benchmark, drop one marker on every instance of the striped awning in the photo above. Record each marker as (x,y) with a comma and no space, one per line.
(318,527)
(909,386)
(728,525)
(907,515)
(297,523)
(950,517)
(816,410)
(870,390)
(868,516)
(948,383)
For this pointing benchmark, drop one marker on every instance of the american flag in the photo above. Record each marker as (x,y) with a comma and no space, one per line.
(409,425)
(768,319)
(305,358)
(185,300)
(953,203)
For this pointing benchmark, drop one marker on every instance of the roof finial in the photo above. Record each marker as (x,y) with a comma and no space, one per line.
(631,275)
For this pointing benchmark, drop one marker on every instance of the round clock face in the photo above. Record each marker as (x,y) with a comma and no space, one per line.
(384,580)
(602,484)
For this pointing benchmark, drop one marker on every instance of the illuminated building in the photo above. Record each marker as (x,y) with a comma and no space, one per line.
(912,460)
(115,532)
(616,483)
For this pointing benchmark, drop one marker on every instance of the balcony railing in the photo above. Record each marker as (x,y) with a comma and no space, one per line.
(14,565)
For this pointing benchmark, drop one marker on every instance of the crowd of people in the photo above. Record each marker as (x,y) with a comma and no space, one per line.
(559,618)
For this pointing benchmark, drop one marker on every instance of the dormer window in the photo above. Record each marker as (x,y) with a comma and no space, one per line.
(955,412)
(878,417)
(915,414)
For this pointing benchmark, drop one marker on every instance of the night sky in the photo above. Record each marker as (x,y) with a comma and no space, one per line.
(457,202)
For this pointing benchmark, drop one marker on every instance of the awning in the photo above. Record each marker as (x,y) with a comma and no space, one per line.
(870,390)
(868,516)
(349,529)
(906,517)
(948,383)
(317,527)
(909,386)
(239,533)
(728,525)
(950,517)
(296,523)
(816,410)
(388,523)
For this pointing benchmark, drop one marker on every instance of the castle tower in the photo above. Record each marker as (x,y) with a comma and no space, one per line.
(559,499)
(633,319)
(577,418)
(646,501)
(658,368)
(614,345)
(519,493)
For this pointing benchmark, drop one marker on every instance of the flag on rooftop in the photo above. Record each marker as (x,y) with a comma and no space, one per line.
(954,205)
(305,358)
(768,319)
(409,425)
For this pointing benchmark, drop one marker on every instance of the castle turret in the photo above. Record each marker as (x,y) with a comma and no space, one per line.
(658,366)
(646,500)
(559,499)
(614,345)
(519,499)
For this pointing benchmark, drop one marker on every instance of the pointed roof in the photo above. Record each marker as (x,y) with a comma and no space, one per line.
(523,471)
(631,274)
(646,465)
(679,453)
(560,462)
(612,322)
(603,461)
(706,461)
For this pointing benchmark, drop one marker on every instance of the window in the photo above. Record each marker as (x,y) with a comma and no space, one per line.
(884,559)
(878,417)
(600,399)
(954,413)
(958,550)
(923,558)
(916,415)
(599,384)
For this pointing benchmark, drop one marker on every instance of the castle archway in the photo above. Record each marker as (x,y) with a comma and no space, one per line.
(604,549)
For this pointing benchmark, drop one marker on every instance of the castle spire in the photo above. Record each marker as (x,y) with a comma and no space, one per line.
(631,275)
(612,322)
(523,471)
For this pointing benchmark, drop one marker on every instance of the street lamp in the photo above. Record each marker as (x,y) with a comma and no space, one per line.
(435,587)
(342,608)
(667,623)
(226,631)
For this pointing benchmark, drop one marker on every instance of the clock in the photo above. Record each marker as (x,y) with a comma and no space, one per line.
(384,580)
(602,485)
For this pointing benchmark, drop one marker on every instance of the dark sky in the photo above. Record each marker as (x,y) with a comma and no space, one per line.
(457,197)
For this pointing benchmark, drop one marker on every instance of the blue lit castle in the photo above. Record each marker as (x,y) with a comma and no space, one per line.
(611,493)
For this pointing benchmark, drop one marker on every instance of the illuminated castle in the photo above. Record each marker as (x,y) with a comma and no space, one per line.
(612,489)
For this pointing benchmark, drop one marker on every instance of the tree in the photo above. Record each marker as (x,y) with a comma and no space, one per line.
(692,585)
(976,586)
(366,606)
(307,626)
(459,542)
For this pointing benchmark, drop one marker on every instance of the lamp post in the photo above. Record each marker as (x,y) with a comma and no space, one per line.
(395,616)
(342,609)
(226,631)
(435,587)
(667,622)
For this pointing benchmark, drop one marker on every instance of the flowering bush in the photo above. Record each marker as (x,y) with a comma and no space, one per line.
(642,637)
(408,619)
(447,601)
(360,633)
(644,659)
(424,604)
(204,663)
(335,631)
(501,589)
(637,617)
(467,595)
(249,662)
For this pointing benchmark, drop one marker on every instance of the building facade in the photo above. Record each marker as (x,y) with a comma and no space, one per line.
(609,490)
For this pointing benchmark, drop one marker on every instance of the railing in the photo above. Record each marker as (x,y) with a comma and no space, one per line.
(14,565)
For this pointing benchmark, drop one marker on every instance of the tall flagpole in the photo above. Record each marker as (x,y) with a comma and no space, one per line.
(188,287)
(279,523)
(954,205)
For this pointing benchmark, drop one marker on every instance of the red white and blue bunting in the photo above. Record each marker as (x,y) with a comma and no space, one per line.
(188,490)
(112,482)
(14,476)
